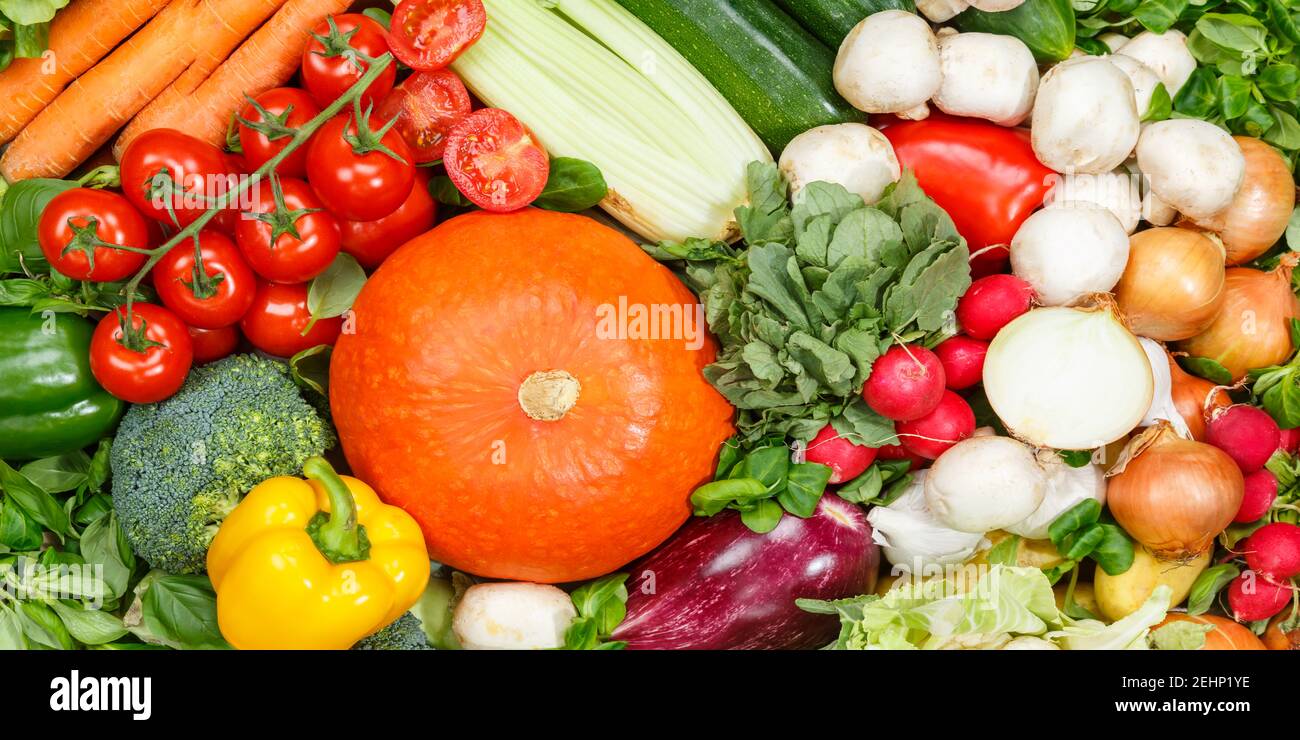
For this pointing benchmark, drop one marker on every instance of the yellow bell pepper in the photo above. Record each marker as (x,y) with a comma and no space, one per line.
(314,564)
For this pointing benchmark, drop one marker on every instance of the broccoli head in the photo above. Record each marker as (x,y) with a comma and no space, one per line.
(181,465)
(406,633)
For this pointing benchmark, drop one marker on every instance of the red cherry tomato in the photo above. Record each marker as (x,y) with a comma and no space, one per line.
(290,259)
(372,241)
(327,67)
(213,344)
(289,107)
(495,161)
(220,300)
(149,373)
(359,187)
(427,105)
(427,35)
(202,170)
(276,321)
(115,222)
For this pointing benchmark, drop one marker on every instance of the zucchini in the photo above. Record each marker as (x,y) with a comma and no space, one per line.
(831,20)
(773,72)
(1046,26)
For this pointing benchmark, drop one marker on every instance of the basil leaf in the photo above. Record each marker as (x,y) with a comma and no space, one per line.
(89,626)
(333,292)
(1158,16)
(803,488)
(1234,31)
(35,501)
(711,498)
(1280,82)
(58,474)
(1234,94)
(42,626)
(310,369)
(768,465)
(444,191)
(380,16)
(97,474)
(1286,134)
(1208,584)
(573,185)
(20,211)
(763,516)
(1204,367)
(182,611)
(728,456)
(22,292)
(1160,106)
(1078,517)
(1198,97)
(18,532)
(104,543)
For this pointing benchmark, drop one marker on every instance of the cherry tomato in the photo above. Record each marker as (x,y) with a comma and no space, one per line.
(229,287)
(372,241)
(289,107)
(290,259)
(95,216)
(327,66)
(427,35)
(359,187)
(495,161)
(201,169)
(427,105)
(148,373)
(213,344)
(278,317)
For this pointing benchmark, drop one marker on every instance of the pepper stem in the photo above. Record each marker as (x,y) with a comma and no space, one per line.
(336,534)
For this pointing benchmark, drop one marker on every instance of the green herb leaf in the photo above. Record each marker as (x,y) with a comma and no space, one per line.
(1204,367)
(711,498)
(1198,97)
(182,611)
(1160,106)
(334,291)
(1074,519)
(35,501)
(1234,31)
(104,543)
(89,626)
(1114,553)
(58,474)
(310,369)
(20,211)
(803,488)
(1075,458)
(1208,584)
(573,185)
(763,516)
(1005,552)
(1158,16)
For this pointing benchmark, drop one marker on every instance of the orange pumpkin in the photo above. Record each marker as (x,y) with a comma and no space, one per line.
(1225,635)
(1276,639)
(487,389)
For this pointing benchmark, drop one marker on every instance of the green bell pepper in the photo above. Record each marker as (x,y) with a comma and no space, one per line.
(49,401)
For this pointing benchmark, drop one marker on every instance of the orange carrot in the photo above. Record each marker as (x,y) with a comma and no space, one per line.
(80,35)
(267,59)
(177,97)
(96,104)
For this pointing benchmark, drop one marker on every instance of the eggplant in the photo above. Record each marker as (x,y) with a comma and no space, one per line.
(717,585)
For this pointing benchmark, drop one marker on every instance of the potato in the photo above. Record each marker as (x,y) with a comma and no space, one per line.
(1029,553)
(1084,595)
(1120,596)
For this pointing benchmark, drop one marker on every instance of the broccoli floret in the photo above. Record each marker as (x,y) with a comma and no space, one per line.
(404,634)
(181,465)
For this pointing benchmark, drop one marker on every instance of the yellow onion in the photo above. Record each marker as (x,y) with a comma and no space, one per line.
(1253,329)
(1172,287)
(1174,495)
(1189,394)
(1259,212)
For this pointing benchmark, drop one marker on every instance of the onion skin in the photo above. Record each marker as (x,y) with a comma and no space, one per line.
(1174,495)
(1189,393)
(1253,328)
(1259,212)
(1172,287)
(720,586)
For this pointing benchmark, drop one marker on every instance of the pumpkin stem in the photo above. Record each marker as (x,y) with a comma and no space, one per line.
(547,395)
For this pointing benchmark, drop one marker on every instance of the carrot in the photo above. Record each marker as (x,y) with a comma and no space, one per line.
(267,59)
(177,96)
(80,35)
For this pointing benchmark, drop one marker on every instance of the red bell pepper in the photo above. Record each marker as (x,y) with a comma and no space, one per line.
(984,175)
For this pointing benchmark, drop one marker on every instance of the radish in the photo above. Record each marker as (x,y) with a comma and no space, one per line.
(963,361)
(906,383)
(845,459)
(933,434)
(899,452)
(1261,491)
(1252,598)
(991,303)
(1246,433)
(512,616)
(1289,440)
(1274,551)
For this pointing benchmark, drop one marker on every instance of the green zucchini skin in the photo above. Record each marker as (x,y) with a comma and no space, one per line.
(773,72)
(831,20)
(1046,26)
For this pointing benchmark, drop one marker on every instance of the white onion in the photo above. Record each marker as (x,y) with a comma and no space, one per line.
(1067,378)
(985,483)
(1069,252)
(912,538)
(1065,487)
(1162,399)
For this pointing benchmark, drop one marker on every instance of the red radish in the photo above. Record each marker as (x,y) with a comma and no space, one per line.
(906,383)
(1252,598)
(899,452)
(845,459)
(1289,440)
(991,303)
(1274,551)
(931,435)
(963,361)
(1246,433)
(1261,490)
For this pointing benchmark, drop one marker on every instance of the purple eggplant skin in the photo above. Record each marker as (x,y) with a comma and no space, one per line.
(717,585)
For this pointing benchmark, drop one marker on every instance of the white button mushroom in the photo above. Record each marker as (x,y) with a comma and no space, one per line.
(854,155)
(1166,54)
(889,63)
(985,483)
(939,11)
(512,616)
(1192,165)
(1113,41)
(1143,79)
(1070,251)
(1085,119)
(986,75)
(1157,212)
(996,6)
(1117,191)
